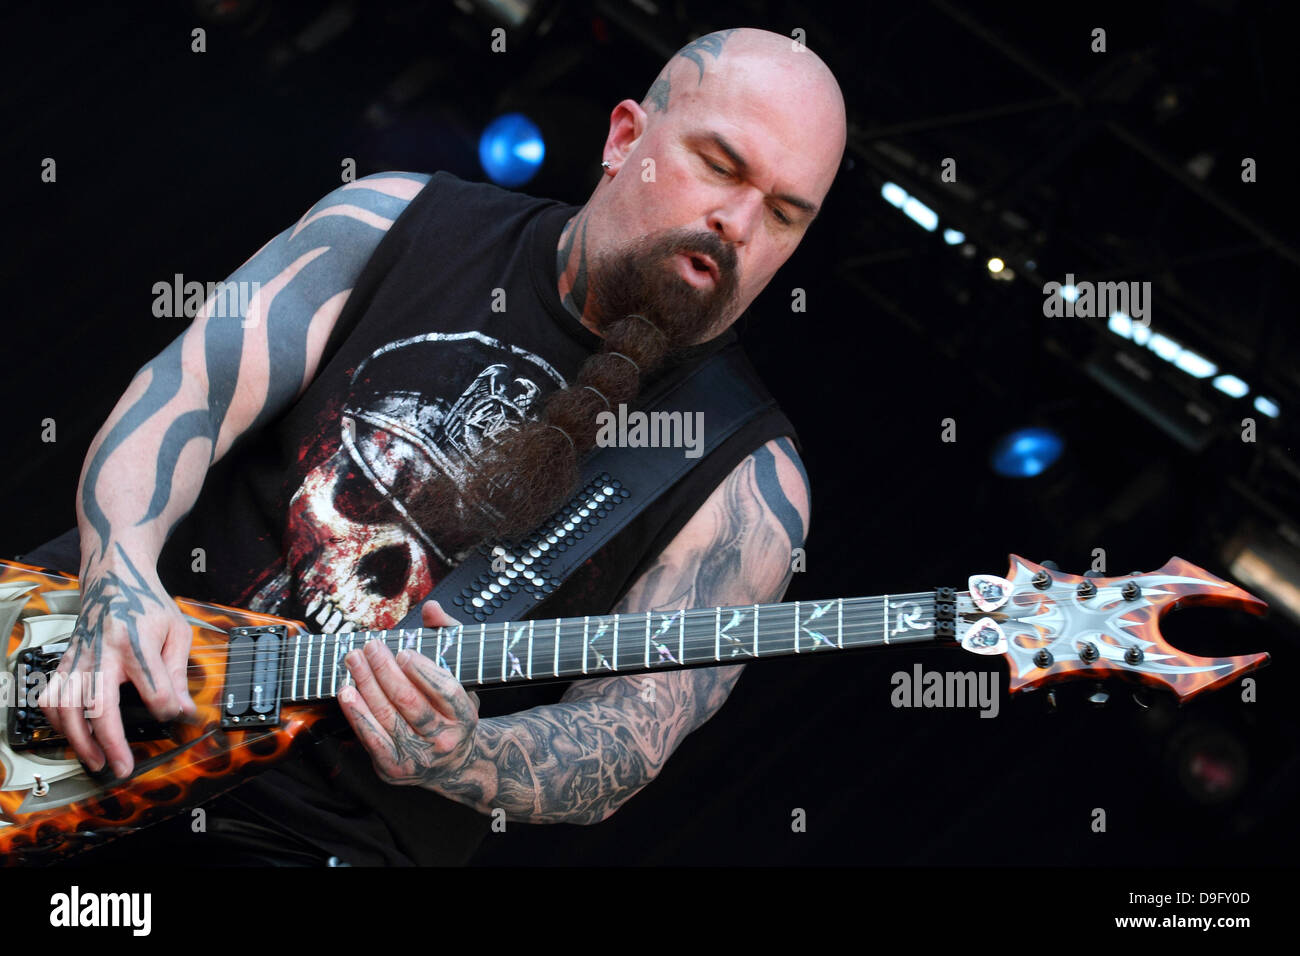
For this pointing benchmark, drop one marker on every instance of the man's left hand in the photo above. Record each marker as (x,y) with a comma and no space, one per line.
(414,717)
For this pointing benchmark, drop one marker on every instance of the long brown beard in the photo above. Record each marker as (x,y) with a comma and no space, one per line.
(533,469)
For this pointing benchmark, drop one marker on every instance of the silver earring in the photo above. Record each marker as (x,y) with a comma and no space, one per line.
(605,165)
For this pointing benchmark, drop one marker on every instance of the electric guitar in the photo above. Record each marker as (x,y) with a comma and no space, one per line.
(259,680)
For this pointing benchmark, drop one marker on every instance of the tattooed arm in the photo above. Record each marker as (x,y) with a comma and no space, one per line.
(242,361)
(579,760)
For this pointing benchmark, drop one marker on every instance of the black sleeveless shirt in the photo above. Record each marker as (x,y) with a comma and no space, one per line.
(454,331)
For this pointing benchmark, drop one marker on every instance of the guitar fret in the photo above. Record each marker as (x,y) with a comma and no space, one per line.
(505,636)
(681,636)
(840,627)
(717,634)
(460,633)
(614,657)
(334,664)
(796,627)
(755,630)
(419,641)
(482,636)
(293,689)
(320,668)
(886,618)
(647,639)
(334,661)
(557,647)
(585,622)
(347,676)
(531,622)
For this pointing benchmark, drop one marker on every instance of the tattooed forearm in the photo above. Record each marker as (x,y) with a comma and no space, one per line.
(565,763)
(228,374)
(579,760)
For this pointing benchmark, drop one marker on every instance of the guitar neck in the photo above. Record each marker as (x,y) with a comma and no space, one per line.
(571,648)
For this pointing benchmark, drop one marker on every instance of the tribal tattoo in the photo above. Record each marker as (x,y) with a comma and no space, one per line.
(579,760)
(228,374)
(225,375)
(112,597)
(573,255)
(711,45)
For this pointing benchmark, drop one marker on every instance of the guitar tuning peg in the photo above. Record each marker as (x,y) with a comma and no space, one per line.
(1099,696)
(1050,565)
(1094,574)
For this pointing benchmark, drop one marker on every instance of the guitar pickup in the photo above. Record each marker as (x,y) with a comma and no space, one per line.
(251,695)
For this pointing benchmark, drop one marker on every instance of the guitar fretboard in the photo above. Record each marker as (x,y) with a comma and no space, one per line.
(537,651)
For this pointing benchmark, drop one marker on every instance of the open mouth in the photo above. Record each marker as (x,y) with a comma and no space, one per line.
(698,269)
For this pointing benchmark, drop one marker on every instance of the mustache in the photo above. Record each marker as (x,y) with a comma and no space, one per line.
(700,243)
(638,278)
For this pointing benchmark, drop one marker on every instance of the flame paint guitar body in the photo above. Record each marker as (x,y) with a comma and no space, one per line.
(38,608)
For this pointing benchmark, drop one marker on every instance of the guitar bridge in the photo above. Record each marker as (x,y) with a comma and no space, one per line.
(251,695)
(28,728)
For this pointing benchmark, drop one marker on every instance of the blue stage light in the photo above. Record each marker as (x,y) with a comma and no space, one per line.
(511,150)
(1027,452)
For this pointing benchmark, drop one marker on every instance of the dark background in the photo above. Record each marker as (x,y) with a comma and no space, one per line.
(1123,165)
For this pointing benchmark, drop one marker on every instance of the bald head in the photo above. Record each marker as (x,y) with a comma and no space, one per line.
(743,72)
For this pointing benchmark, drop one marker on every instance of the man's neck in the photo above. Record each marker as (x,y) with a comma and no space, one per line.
(571,269)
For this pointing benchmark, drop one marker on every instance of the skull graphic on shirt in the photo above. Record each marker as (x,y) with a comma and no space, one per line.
(354,557)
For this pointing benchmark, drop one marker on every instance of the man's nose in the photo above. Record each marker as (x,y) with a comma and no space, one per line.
(736,221)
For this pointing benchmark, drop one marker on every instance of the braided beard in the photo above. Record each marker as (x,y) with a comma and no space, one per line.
(535,468)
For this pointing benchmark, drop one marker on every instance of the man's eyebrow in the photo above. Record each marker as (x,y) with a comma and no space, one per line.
(742,168)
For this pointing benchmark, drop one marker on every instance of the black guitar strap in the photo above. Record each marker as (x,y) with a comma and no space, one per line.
(507,580)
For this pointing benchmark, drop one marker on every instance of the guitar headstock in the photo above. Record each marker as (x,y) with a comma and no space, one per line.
(1054,626)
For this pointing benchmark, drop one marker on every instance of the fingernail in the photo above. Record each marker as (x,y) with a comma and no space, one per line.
(120,770)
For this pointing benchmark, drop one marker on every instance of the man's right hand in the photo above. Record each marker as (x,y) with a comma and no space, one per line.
(129,630)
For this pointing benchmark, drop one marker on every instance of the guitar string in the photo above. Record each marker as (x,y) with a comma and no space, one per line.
(632,619)
(695,645)
(571,662)
(697,651)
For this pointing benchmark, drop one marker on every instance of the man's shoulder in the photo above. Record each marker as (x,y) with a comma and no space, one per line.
(447,185)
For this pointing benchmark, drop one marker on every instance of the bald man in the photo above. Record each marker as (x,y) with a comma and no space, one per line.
(373,309)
